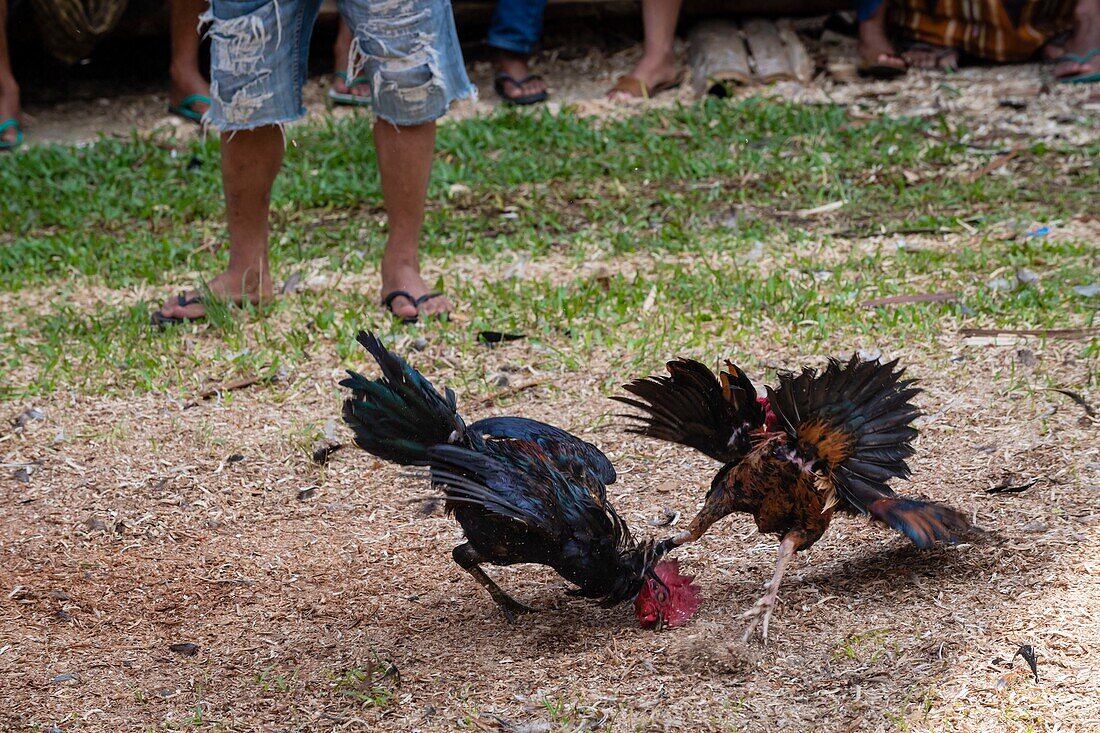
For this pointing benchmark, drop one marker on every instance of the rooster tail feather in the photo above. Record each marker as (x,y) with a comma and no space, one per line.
(922,522)
(398,416)
(852,420)
(692,407)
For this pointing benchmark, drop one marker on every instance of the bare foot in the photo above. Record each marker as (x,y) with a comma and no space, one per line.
(404,275)
(925,56)
(185,82)
(360,89)
(654,72)
(875,48)
(9,107)
(515,66)
(229,287)
(1085,40)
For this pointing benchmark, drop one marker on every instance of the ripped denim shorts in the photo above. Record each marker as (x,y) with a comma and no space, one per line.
(408,49)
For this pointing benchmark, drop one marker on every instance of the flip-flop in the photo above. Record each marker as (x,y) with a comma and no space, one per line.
(348,99)
(522,100)
(443,316)
(1088,77)
(940,53)
(160,320)
(11,144)
(878,70)
(387,303)
(634,87)
(186,108)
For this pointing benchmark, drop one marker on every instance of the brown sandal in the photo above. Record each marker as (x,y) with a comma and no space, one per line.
(635,88)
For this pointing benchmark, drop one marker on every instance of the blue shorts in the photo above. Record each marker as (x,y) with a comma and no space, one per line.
(408,49)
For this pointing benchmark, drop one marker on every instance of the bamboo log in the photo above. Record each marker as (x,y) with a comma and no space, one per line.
(717,56)
(769,56)
(797,55)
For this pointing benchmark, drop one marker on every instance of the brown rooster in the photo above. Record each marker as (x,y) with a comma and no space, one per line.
(818,443)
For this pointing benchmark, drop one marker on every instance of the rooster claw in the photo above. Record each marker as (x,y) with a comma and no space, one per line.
(512,609)
(759,616)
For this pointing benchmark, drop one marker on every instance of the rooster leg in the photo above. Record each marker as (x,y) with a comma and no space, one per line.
(762,609)
(468,558)
(711,512)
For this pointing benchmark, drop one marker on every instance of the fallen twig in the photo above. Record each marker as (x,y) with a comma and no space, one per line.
(1076,398)
(916,298)
(227,387)
(1007,488)
(1054,333)
(991,166)
(508,392)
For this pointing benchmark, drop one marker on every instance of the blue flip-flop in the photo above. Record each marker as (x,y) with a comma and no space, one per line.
(348,99)
(186,107)
(7,125)
(1079,58)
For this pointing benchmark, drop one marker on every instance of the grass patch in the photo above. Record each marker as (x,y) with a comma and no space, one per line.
(694,211)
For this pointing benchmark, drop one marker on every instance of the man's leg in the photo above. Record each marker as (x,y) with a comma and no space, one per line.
(875,49)
(405,163)
(658,65)
(183,70)
(1085,40)
(250,162)
(514,32)
(340,50)
(9,90)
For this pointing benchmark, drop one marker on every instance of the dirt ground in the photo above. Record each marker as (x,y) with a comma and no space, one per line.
(145,523)
(173,566)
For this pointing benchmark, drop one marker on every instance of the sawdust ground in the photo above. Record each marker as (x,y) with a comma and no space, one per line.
(147,525)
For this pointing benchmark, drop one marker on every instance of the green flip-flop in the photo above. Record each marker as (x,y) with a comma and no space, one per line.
(7,125)
(348,99)
(1090,77)
(186,108)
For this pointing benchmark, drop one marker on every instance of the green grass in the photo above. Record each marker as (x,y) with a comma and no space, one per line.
(704,197)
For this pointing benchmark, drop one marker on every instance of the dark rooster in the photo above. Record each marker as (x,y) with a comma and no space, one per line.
(818,443)
(523,491)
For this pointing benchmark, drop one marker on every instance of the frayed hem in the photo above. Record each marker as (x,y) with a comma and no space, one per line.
(222,127)
(469,93)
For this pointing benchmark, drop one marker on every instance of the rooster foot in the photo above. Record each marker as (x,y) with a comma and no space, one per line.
(513,608)
(759,616)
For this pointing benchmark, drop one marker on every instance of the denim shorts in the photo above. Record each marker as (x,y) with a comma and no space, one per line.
(408,49)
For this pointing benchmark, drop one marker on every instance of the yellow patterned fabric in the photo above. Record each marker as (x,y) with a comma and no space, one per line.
(997,30)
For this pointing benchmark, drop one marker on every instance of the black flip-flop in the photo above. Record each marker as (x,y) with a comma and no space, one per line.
(444,316)
(387,303)
(522,101)
(160,320)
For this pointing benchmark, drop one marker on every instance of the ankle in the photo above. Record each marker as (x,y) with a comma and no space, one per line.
(252,280)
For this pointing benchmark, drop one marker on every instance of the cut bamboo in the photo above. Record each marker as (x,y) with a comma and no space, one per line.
(717,57)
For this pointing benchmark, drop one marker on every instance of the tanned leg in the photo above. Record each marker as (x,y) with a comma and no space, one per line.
(250,162)
(658,63)
(762,609)
(1085,38)
(874,45)
(468,558)
(9,90)
(340,50)
(183,70)
(515,65)
(405,163)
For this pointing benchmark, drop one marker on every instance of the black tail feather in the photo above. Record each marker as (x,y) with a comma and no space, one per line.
(693,408)
(400,415)
(854,419)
